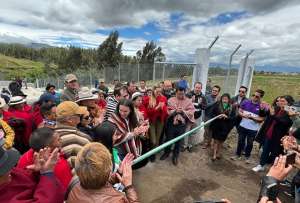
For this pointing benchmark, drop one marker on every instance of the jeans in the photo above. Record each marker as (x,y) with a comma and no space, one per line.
(173,131)
(245,134)
(267,156)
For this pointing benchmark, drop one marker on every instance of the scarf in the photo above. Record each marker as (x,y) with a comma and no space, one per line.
(130,143)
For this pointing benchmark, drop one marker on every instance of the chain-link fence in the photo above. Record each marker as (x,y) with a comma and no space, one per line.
(86,77)
(152,73)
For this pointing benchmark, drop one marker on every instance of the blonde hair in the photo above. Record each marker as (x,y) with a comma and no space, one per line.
(93,166)
(152,99)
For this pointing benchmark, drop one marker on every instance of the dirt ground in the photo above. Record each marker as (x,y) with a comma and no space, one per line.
(198,178)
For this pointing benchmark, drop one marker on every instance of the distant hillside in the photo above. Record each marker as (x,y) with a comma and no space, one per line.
(12,67)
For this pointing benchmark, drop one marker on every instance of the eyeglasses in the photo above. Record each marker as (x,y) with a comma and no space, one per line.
(256,96)
(86,118)
(241,91)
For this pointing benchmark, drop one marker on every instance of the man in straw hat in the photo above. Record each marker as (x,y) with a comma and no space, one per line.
(89,100)
(21,121)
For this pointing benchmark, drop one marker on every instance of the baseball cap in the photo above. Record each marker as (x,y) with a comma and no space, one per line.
(70,78)
(69,108)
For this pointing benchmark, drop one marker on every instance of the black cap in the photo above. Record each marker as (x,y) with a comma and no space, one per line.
(49,86)
(8,159)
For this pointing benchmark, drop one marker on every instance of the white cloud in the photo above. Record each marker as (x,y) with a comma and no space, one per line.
(272,29)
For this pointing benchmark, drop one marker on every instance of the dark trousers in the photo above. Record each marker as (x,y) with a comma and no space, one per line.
(245,135)
(267,156)
(173,131)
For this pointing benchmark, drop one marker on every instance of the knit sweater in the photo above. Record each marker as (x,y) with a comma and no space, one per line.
(72,141)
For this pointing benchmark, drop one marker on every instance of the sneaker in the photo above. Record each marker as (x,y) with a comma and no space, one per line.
(236,158)
(258,168)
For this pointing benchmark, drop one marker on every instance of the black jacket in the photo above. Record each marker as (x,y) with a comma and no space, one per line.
(236,104)
(281,128)
(199,103)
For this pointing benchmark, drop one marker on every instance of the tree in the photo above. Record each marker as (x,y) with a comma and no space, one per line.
(150,53)
(73,60)
(110,51)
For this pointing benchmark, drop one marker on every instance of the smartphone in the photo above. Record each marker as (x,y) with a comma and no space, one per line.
(272,192)
(292,108)
(290,159)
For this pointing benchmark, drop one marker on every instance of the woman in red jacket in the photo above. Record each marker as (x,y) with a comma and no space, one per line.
(46,137)
(156,106)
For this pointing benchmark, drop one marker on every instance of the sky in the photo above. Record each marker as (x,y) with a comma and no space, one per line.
(270,27)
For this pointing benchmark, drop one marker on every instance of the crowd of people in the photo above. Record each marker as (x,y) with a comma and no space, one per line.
(79,145)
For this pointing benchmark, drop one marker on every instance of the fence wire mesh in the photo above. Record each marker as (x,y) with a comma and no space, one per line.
(152,73)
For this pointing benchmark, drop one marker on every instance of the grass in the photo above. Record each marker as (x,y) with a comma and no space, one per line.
(11,67)
(276,85)
(273,85)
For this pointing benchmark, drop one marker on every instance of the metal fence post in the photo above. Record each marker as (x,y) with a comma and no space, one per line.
(119,76)
(153,72)
(91,77)
(163,73)
(138,70)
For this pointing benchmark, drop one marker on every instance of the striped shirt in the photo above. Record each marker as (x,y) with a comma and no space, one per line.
(72,141)
(110,107)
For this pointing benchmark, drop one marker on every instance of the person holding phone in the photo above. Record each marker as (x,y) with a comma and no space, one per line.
(276,125)
(277,173)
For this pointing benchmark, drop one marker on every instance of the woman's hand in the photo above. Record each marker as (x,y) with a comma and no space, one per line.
(128,158)
(126,177)
(272,111)
(289,143)
(266,200)
(223,116)
(278,170)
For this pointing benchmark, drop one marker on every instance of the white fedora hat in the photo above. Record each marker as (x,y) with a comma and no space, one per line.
(86,94)
(16,100)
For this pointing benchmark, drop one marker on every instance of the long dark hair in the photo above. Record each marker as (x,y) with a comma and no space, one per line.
(133,121)
(104,134)
(229,103)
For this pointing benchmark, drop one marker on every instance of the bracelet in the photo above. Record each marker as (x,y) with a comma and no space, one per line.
(128,187)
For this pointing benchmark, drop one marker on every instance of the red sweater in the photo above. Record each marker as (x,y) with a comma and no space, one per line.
(102,103)
(153,113)
(37,116)
(25,187)
(26,117)
(62,169)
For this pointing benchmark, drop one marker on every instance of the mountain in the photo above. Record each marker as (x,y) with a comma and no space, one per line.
(37,45)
